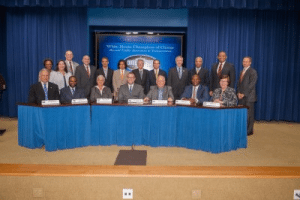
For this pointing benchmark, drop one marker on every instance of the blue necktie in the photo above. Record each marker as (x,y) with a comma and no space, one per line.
(130,89)
(46,92)
(73,91)
(180,72)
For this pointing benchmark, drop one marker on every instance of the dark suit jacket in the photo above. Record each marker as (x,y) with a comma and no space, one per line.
(153,93)
(202,93)
(203,74)
(37,94)
(248,84)
(228,69)
(66,95)
(83,80)
(177,84)
(144,81)
(152,77)
(2,83)
(95,93)
(124,94)
(108,79)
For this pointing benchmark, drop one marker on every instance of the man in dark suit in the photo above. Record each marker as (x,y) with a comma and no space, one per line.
(141,75)
(196,92)
(2,87)
(43,90)
(221,68)
(106,72)
(246,91)
(178,78)
(200,71)
(153,74)
(130,90)
(85,75)
(71,92)
(160,91)
(71,65)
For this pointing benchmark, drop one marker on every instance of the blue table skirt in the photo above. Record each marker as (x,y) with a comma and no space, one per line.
(55,127)
(211,130)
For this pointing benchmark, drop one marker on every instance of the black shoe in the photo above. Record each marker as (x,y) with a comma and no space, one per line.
(251,133)
(2,131)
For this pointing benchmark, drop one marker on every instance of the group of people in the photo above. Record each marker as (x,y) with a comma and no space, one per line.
(70,81)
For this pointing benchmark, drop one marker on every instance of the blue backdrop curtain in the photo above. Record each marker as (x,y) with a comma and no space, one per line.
(271,38)
(34,34)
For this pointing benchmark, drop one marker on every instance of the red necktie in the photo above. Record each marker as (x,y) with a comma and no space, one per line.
(220,70)
(88,71)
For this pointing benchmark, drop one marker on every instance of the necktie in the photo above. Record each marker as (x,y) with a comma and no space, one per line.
(220,70)
(105,73)
(46,92)
(194,93)
(122,74)
(141,74)
(156,73)
(73,91)
(71,68)
(197,70)
(130,89)
(65,83)
(242,75)
(180,72)
(88,71)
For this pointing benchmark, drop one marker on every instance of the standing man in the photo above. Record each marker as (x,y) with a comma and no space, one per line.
(178,78)
(153,74)
(141,75)
(2,87)
(221,68)
(107,73)
(43,90)
(200,71)
(130,90)
(71,92)
(246,91)
(71,65)
(196,93)
(85,75)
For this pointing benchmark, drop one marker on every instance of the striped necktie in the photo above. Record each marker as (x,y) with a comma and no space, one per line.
(46,92)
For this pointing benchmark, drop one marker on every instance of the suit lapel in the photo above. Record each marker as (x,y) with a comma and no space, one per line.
(41,89)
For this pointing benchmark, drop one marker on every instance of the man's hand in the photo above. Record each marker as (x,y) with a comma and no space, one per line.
(240,96)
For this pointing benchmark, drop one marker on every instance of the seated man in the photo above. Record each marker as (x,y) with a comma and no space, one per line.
(43,90)
(196,93)
(130,90)
(160,91)
(71,92)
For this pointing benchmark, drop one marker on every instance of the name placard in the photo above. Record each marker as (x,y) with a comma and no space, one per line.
(135,101)
(50,102)
(183,102)
(104,101)
(211,104)
(160,102)
(80,101)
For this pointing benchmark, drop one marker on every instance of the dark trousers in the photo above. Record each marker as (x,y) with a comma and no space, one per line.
(250,118)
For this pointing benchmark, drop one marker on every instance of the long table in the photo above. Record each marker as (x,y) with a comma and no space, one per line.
(64,127)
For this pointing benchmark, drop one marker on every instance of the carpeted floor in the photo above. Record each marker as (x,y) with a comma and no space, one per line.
(273,144)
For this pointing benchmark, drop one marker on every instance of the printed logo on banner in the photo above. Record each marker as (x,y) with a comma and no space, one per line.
(132,61)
